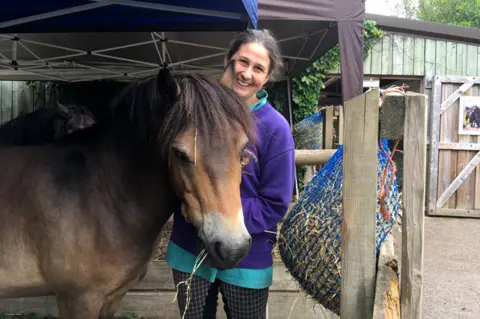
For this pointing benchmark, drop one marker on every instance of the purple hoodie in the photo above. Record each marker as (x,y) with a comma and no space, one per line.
(266,188)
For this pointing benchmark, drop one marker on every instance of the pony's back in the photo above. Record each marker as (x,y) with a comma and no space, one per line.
(44,125)
(33,128)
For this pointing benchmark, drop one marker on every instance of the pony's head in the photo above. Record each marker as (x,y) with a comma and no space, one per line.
(207,132)
(200,130)
(75,118)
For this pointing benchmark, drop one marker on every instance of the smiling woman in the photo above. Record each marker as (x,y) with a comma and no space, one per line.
(266,191)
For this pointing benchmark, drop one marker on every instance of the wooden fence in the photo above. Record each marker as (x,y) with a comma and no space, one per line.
(154,296)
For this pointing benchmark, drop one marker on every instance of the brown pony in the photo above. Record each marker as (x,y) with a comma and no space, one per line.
(81,217)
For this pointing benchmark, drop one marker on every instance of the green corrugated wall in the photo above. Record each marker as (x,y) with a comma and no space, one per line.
(405,55)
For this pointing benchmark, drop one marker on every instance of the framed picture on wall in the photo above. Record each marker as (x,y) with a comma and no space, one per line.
(469,115)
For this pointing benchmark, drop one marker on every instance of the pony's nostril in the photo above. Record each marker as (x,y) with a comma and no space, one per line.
(217,247)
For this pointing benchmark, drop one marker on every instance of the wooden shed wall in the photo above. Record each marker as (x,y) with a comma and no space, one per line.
(408,55)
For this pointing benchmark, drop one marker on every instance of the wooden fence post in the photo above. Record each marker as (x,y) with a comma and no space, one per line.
(414,178)
(359,205)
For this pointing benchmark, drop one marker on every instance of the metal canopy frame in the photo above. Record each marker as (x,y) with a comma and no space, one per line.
(306,29)
(66,67)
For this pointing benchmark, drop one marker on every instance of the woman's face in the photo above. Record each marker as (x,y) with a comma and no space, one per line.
(251,69)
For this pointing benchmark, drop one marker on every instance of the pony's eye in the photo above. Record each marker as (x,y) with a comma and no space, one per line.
(181,155)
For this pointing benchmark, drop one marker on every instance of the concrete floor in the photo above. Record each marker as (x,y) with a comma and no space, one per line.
(451,268)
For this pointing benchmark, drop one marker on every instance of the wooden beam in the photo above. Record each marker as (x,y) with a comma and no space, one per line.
(312,157)
(476,205)
(433,151)
(359,206)
(341,130)
(452,188)
(329,127)
(414,175)
(468,213)
(453,97)
(459,146)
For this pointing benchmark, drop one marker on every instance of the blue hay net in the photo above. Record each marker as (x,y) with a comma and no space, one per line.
(310,235)
(308,133)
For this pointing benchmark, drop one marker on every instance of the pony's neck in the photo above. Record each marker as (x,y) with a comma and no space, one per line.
(141,174)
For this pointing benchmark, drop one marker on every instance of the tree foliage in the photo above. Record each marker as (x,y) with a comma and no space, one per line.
(307,86)
(464,13)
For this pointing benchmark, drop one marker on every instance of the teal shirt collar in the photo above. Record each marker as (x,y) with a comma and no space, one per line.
(262,100)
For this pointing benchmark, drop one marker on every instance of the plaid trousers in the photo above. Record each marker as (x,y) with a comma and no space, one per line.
(239,302)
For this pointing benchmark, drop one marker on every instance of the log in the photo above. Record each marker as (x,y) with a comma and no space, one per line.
(312,157)
(392,117)
(387,287)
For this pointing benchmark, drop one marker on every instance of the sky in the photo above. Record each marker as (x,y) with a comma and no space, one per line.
(383,7)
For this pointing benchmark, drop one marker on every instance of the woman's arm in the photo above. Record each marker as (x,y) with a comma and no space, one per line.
(275,192)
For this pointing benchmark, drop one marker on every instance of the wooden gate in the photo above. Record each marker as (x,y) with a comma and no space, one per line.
(454,159)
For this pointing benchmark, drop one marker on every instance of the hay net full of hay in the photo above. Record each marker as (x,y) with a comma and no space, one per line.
(308,133)
(310,236)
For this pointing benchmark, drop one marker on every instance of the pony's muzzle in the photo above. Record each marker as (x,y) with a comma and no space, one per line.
(227,255)
(227,242)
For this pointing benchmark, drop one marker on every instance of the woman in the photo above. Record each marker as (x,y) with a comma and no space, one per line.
(266,192)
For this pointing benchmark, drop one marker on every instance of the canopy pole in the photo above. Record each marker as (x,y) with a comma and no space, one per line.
(163,47)
(288,113)
(351,42)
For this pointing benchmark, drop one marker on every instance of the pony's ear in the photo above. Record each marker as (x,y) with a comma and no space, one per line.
(228,76)
(65,111)
(167,84)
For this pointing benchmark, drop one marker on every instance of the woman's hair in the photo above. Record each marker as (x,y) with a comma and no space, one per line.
(264,37)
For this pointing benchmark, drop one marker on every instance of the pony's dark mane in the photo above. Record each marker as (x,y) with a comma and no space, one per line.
(154,112)
(32,128)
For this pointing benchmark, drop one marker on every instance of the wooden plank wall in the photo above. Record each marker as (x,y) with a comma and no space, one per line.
(153,298)
(453,156)
(406,55)
(17,98)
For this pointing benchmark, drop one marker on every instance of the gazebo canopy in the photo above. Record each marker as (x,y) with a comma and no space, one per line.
(125,39)
(26,16)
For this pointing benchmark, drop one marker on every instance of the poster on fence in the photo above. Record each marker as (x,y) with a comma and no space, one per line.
(469,115)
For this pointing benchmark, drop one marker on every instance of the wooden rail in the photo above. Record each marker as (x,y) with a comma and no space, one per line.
(312,157)
(153,296)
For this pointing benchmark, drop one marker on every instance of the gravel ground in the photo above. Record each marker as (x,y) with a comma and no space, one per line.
(165,237)
(451,268)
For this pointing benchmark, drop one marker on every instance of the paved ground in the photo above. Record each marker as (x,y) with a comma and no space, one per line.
(451,268)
